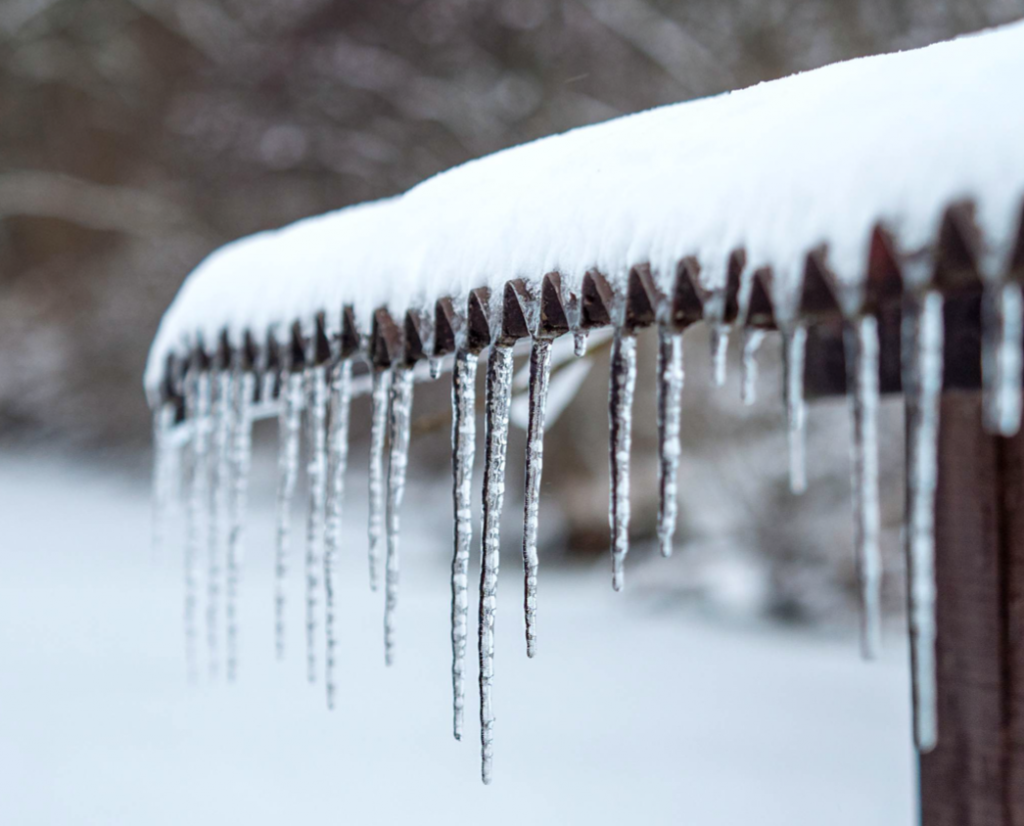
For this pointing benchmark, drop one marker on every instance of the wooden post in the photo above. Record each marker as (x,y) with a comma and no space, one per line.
(975,776)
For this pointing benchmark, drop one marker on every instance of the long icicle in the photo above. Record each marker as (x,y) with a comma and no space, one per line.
(862,383)
(670,387)
(463,453)
(220,483)
(499,393)
(197,405)
(719,353)
(620,414)
(795,341)
(398,461)
(337,451)
(241,461)
(289,426)
(922,371)
(378,437)
(316,472)
(752,340)
(540,373)
(164,461)
(1002,343)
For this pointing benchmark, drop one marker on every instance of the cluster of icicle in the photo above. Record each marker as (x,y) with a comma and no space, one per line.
(315,400)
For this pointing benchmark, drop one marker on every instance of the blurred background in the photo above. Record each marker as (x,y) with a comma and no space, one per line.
(138,135)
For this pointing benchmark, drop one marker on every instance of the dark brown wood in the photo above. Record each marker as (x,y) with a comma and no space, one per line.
(973,777)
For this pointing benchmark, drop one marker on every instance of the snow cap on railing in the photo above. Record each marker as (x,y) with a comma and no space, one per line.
(777,169)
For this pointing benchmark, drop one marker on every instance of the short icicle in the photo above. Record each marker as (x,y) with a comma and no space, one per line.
(499,394)
(620,413)
(752,340)
(244,387)
(862,381)
(316,472)
(378,438)
(670,388)
(579,342)
(289,426)
(463,453)
(922,382)
(719,353)
(400,426)
(540,373)
(1002,342)
(337,452)
(795,341)
(197,406)
(220,487)
(435,365)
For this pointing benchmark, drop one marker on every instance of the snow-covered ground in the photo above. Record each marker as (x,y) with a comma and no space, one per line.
(632,712)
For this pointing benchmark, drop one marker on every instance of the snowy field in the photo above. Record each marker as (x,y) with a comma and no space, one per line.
(634,711)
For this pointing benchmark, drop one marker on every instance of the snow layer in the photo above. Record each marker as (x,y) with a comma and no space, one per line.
(777,168)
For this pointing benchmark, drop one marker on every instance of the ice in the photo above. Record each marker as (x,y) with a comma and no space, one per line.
(436,364)
(220,488)
(165,461)
(197,411)
(337,452)
(579,342)
(499,393)
(862,383)
(316,472)
(670,388)
(540,373)
(795,343)
(289,426)
(401,420)
(378,437)
(922,385)
(244,387)
(620,414)
(719,353)
(752,340)
(1003,341)
(463,451)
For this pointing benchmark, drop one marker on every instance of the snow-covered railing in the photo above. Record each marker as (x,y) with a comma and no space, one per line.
(874,195)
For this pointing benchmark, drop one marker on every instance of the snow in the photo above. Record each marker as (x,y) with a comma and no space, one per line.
(777,168)
(713,725)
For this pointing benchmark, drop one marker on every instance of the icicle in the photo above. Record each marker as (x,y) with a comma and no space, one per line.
(241,460)
(499,393)
(337,451)
(463,451)
(795,339)
(862,381)
(435,364)
(1002,342)
(220,482)
(579,342)
(401,415)
(670,388)
(316,472)
(164,464)
(620,410)
(719,353)
(922,388)
(289,425)
(752,339)
(378,433)
(540,373)
(197,405)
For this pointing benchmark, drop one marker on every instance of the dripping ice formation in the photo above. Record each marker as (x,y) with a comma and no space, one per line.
(316,412)
(244,386)
(337,452)
(771,164)
(496,404)
(670,388)
(400,423)
(540,374)
(463,453)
